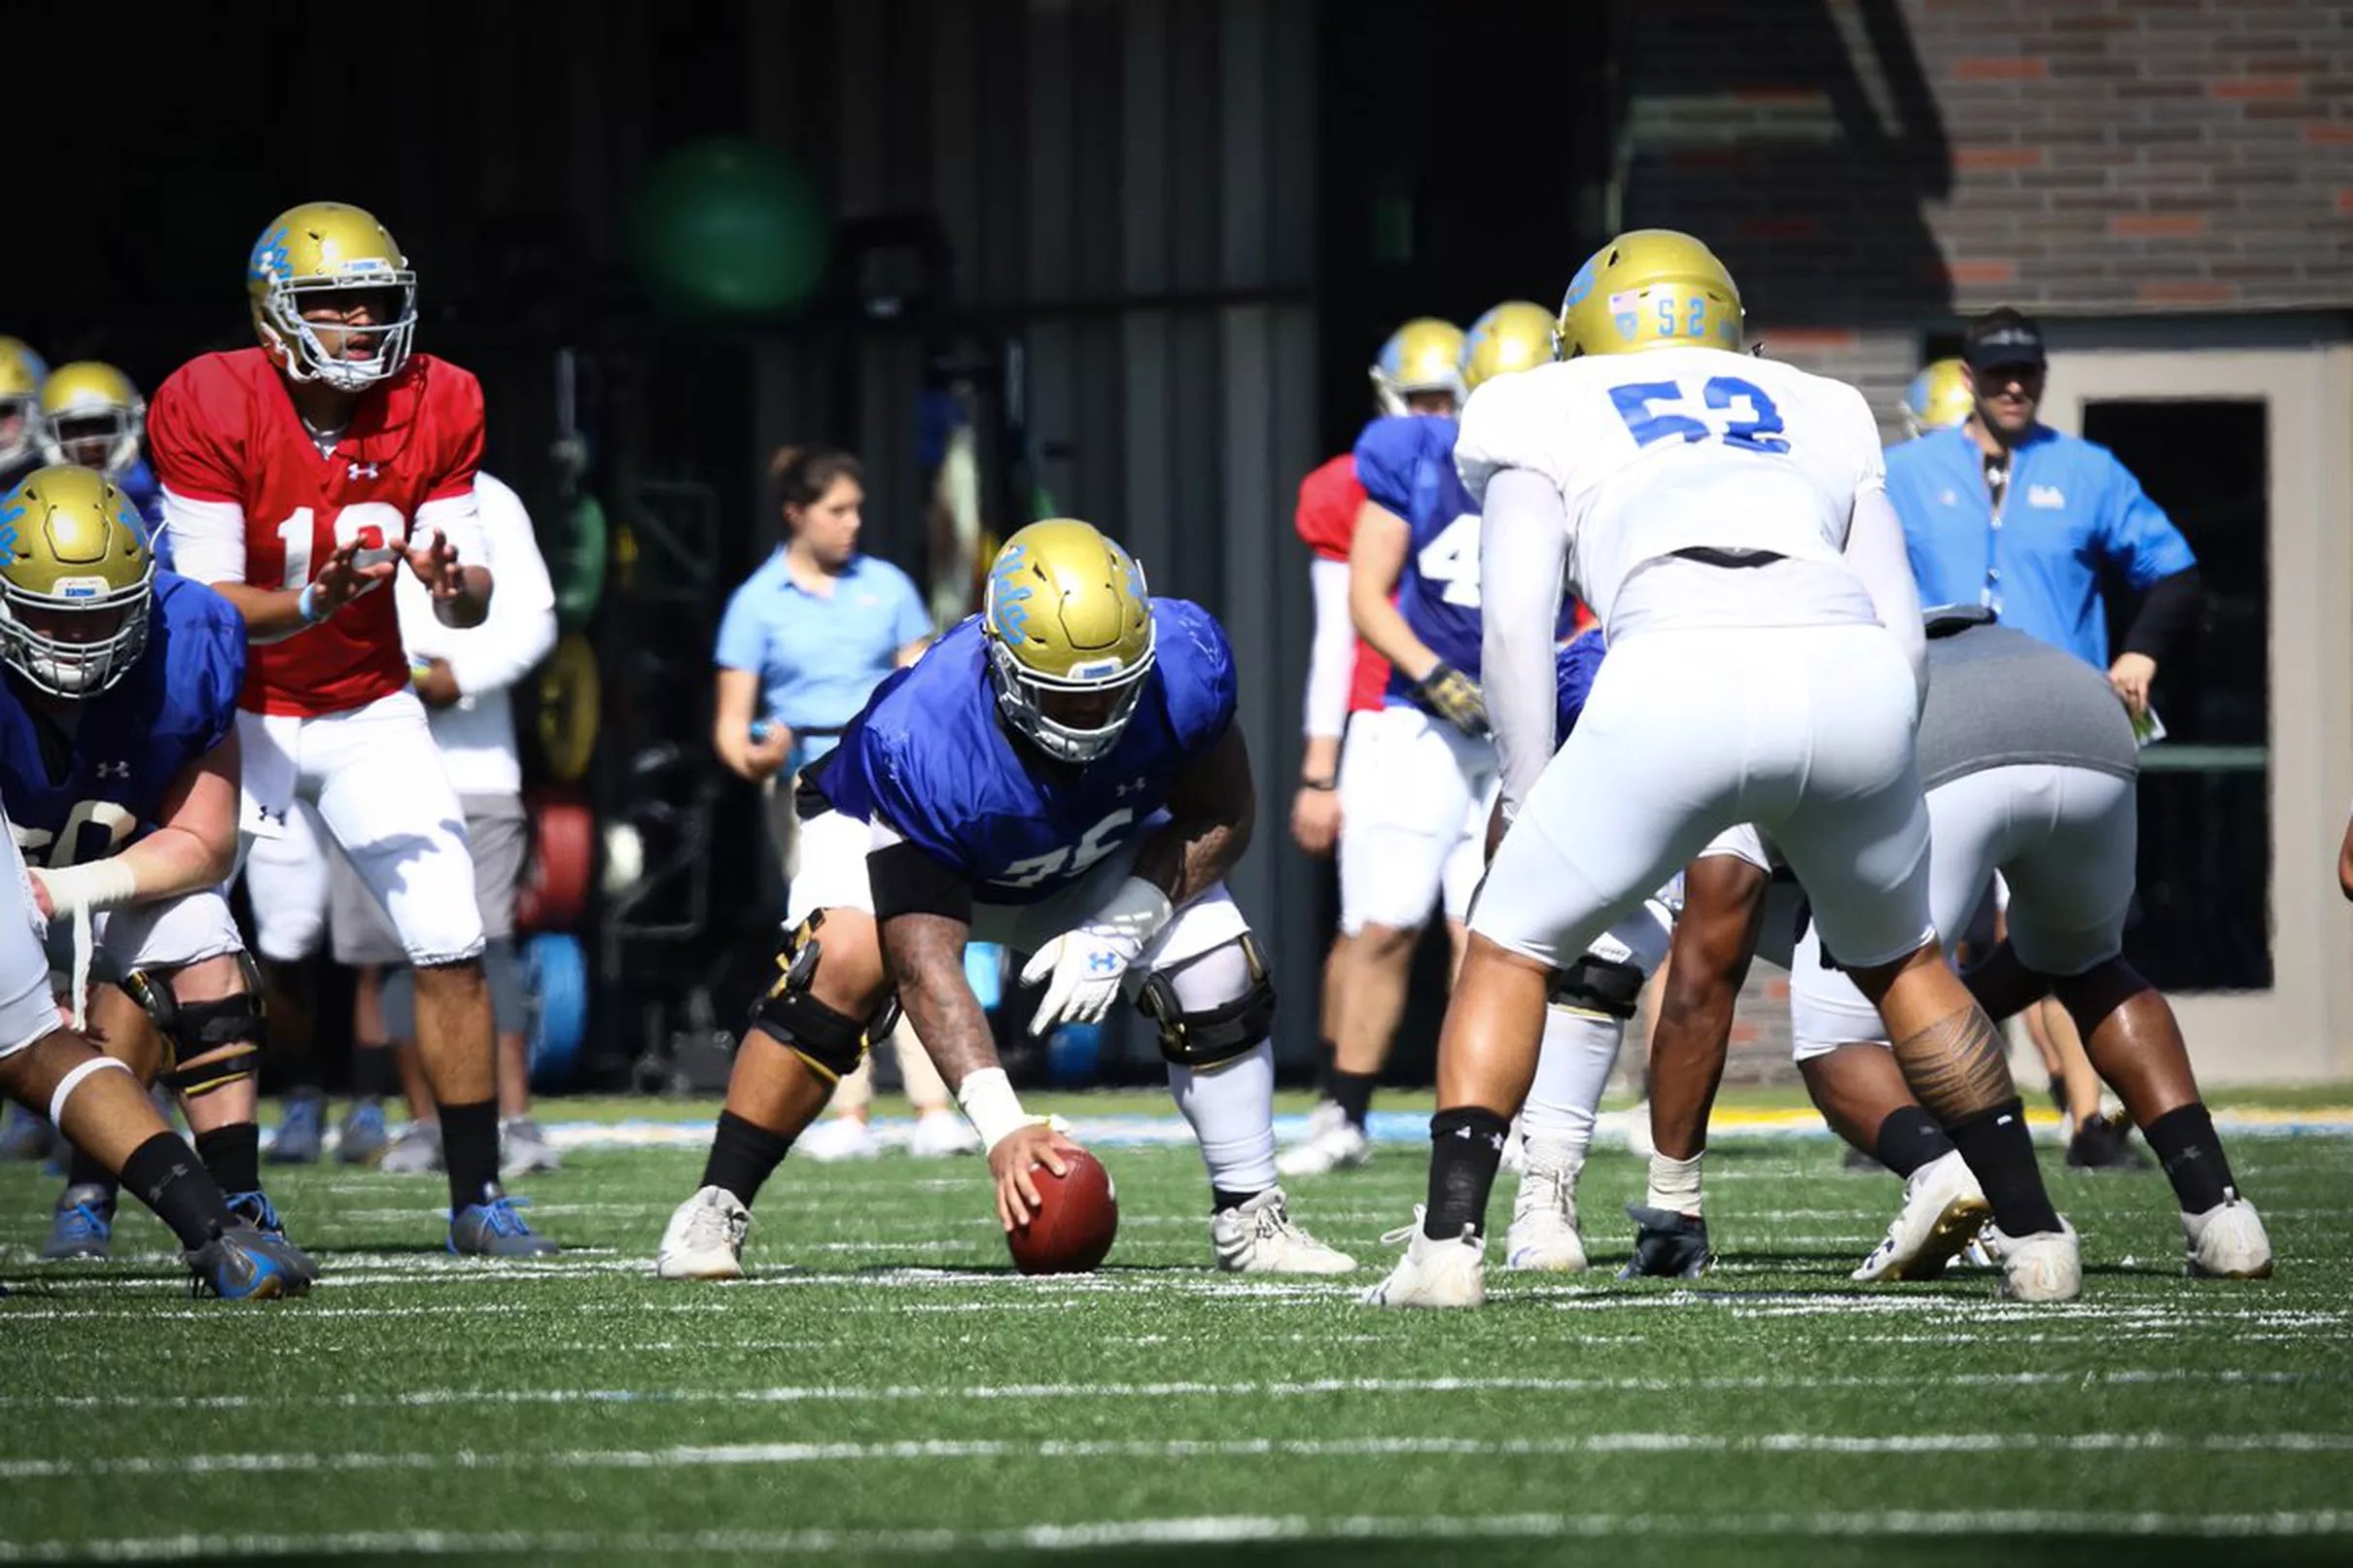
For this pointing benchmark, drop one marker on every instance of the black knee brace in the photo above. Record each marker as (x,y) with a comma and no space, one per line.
(1594,985)
(1215,1035)
(834,1043)
(229,1025)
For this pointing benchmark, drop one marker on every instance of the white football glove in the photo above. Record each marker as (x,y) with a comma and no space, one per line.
(1083,967)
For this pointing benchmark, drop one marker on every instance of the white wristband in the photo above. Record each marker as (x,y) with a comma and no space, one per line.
(991,1106)
(95,886)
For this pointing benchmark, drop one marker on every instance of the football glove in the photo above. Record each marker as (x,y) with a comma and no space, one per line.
(1083,968)
(1453,696)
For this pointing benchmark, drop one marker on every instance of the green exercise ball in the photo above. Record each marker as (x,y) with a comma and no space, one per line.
(729,227)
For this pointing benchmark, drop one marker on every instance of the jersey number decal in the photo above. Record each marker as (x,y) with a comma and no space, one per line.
(1729,410)
(1072,861)
(1451,562)
(378,529)
(36,842)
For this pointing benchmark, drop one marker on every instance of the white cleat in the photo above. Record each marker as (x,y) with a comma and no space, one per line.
(1338,1147)
(839,1137)
(1544,1217)
(1326,1115)
(1944,1210)
(1434,1273)
(2045,1266)
(705,1239)
(1261,1238)
(2228,1241)
(940,1134)
(1515,1149)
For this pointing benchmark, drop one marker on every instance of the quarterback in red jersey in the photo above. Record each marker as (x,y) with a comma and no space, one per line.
(298,476)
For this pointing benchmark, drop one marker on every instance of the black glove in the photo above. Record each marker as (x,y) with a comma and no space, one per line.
(1453,696)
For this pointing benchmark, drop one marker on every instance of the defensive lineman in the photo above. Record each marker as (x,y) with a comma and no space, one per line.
(1726,518)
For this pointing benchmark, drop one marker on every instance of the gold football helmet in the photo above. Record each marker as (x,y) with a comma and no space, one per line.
(1651,288)
(91,415)
(325,248)
(1938,399)
(1425,355)
(1069,624)
(77,572)
(1514,336)
(22,372)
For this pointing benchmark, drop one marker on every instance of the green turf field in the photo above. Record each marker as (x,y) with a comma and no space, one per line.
(885,1389)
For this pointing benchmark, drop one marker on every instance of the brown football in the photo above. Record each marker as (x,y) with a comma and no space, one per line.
(1076,1219)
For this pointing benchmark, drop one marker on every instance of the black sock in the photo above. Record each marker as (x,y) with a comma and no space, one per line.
(469,1149)
(163,1175)
(2192,1153)
(2001,1156)
(375,1074)
(744,1154)
(1221,1199)
(1352,1093)
(1466,1145)
(81,1170)
(233,1155)
(1325,1053)
(1907,1139)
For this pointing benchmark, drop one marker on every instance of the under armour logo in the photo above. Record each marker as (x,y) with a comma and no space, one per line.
(1133,786)
(362,470)
(114,770)
(270,814)
(1103,964)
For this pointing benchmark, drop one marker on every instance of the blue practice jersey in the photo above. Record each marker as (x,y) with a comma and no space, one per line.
(1407,467)
(138,481)
(1573,670)
(929,756)
(102,781)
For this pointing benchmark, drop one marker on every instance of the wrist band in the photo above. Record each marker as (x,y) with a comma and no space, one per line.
(307,606)
(1320,783)
(991,1106)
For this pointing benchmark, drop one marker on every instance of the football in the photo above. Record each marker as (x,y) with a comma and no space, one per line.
(1078,1217)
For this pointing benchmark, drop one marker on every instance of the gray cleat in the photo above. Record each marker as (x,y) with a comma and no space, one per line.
(1668,1245)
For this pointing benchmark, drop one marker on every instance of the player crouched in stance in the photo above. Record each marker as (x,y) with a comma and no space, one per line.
(119,769)
(1060,774)
(1727,519)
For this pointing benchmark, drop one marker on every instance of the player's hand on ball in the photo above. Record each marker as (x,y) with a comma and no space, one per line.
(1082,968)
(1011,1160)
(1455,697)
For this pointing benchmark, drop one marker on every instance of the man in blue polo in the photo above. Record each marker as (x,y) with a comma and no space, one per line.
(2003,511)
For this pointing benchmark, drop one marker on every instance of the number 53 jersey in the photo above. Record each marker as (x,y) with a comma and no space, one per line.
(250,497)
(930,759)
(1678,450)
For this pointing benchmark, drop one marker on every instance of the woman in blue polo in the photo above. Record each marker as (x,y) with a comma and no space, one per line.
(803,642)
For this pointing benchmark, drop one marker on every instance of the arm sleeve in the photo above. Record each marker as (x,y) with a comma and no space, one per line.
(2168,610)
(1875,552)
(743,642)
(207,538)
(1331,657)
(1522,547)
(521,626)
(2135,535)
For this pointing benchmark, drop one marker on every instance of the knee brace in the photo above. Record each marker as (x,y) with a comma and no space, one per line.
(229,1026)
(832,1043)
(1216,1035)
(1597,987)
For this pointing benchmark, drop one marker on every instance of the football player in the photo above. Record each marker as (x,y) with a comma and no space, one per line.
(1937,399)
(93,417)
(2029,763)
(1418,372)
(1060,774)
(1419,773)
(299,476)
(22,372)
(118,765)
(1726,518)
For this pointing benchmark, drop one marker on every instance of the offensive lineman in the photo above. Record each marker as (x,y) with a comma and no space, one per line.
(1726,517)
(296,476)
(1060,774)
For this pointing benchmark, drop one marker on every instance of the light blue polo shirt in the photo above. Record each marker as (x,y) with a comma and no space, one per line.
(2070,510)
(818,656)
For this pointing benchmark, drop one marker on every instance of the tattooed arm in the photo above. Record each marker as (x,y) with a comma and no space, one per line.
(1212,812)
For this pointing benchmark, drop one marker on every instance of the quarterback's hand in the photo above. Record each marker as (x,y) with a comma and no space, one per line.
(1453,696)
(1083,968)
(435,686)
(1316,819)
(1014,1157)
(343,579)
(2130,676)
(435,561)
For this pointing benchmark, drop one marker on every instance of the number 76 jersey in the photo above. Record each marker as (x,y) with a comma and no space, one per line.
(1676,449)
(233,455)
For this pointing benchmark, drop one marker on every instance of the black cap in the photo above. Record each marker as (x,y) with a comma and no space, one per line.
(2000,338)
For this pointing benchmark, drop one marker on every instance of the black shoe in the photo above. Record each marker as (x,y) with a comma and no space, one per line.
(2105,1143)
(1668,1245)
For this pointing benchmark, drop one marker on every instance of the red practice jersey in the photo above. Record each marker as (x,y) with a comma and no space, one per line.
(1330,502)
(223,431)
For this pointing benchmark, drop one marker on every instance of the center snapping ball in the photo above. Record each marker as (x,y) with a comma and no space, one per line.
(1078,1217)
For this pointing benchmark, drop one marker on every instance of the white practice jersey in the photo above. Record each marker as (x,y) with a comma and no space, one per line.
(1679,448)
